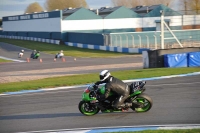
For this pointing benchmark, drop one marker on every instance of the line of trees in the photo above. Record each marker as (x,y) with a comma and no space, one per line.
(192,5)
(55,4)
(62,4)
(34,7)
(134,3)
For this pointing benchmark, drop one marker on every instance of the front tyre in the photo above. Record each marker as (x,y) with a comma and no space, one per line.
(87,109)
(143,103)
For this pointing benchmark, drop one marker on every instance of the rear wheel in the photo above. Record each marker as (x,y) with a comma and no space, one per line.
(142,103)
(87,109)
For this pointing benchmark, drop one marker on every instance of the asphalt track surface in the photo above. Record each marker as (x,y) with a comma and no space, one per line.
(22,71)
(11,51)
(175,101)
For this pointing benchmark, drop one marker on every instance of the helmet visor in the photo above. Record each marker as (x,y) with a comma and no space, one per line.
(101,77)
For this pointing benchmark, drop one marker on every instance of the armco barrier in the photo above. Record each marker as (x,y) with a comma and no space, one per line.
(88,46)
(32,39)
(107,48)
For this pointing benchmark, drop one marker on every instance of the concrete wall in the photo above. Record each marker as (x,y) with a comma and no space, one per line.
(47,35)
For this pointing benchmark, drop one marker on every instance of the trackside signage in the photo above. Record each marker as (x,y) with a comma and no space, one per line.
(33,16)
(44,15)
(54,14)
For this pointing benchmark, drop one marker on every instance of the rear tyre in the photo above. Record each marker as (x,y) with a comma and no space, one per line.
(143,102)
(87,109)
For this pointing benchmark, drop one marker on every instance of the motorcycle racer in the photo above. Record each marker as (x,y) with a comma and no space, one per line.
(35,54)
(21,53)
(115,85)
(60,54)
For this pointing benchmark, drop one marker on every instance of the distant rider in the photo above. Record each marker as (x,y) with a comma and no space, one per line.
(21,53)
(115,85)
(35,54)
(59,55)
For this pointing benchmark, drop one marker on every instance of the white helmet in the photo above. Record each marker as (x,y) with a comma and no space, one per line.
(105,74)
(22,50)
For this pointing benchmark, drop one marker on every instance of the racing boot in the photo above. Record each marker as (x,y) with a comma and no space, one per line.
(125,106)
(128,105)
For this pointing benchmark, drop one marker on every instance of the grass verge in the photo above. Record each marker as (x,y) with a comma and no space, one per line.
(89,78)
(166,131)
(68,51)
(4,61)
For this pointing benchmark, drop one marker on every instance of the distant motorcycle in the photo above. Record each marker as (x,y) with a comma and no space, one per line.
(35,55)
(20,54)
(89,105)
(59,55)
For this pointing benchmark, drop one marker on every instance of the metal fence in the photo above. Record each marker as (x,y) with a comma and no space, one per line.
(152,40)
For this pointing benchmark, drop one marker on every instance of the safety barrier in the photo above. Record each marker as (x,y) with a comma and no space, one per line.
(107,48)
(32,39)
(157,58)
(191,59)
(88,46)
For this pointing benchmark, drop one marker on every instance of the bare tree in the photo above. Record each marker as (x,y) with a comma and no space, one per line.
(133,3)
(156,2)
(127,3)
(62,4)
(191,6)
(185,7)
(34,7)
(195,5)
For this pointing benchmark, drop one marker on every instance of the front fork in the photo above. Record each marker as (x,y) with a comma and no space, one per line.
(99,106)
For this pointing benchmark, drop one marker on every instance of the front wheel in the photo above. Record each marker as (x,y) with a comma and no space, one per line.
(87,109)
(143,103)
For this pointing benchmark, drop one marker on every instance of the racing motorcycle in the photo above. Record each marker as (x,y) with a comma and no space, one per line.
(90,105)
(35,55)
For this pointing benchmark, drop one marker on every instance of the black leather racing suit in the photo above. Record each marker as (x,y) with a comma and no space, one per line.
(118,87)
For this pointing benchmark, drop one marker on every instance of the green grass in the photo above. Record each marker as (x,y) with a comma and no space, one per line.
(90,78)
(166,131)
(68,51)
(4,61)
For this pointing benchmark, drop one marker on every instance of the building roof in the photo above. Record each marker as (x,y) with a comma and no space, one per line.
(68,11)
(104,11)
(143,10)
(119,11)
(79,14)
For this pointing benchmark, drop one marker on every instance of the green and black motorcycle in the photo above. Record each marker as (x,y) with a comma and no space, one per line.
(35,55)
(89,105)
